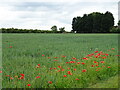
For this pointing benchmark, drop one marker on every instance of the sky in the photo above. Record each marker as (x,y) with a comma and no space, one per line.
(43,14)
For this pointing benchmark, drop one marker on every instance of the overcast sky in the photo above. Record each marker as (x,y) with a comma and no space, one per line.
(43,14)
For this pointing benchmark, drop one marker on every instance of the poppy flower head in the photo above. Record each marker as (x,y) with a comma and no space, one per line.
(54,68)
(38,64)
(0,71)
(38,77)
(28,84)
(74,69)
(68,68)
(95,62)
(92,65)
(10,47)
(97,65)
(64,75)
(104,57)
(77,79)
(85,58)
(50,82)
(101,61)
(84,70)
(59,66)
(43,55)
(11,77)
(22,75)
(83,63)
(112,48)
(96,52)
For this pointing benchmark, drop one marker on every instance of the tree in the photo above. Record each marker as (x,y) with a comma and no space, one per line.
(95,22)
(62,29)
(119,24)
(54,28)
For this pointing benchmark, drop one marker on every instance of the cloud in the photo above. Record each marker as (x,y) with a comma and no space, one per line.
(43,14)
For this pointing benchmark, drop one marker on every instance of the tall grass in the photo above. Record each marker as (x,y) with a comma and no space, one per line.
(23,52)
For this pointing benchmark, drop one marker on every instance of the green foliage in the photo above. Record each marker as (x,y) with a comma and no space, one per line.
(93,23)
(62,29)
(115,30)
(15,30)
(54,28)
(27,51)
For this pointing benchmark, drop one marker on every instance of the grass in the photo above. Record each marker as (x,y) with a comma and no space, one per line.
(23,52)
(110,83)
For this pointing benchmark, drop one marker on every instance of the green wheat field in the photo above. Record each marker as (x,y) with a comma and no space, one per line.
(59,61)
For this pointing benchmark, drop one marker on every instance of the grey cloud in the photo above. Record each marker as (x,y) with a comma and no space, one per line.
(35,6)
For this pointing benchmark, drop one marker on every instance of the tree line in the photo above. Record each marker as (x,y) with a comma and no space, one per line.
(16,30)
(95,22)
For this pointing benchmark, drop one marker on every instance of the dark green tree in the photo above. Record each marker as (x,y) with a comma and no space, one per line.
(54,28)
(62,29)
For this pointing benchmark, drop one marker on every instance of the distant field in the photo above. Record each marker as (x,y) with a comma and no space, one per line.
(59,60)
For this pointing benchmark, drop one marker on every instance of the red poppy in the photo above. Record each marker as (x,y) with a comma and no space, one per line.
(58,70)
(50,68)
(43,55)
(97,70)
(59,66)
(96,56)
(7,75)
(106,54)
(68,68)
(85,58)
(109,67)
(48,57)
(77,79)
(54,68)
(83,63)
(55,57)
(22,75)
(38,77)
(74,58)
(67,62)
(96,65)
(38,64)
(0,71)
(112,48)
(62,70)
(70,73)
(101,52)
(10,47)
(78,63)
(96,52)
(95,62)
(63,56)
(117,55)
(84,70)
(72,61)
(11,77)
(92,65)
(104,57)
(50,82)
(101,61)
(74,69)
(64,75)
(103,66)
(28,84)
